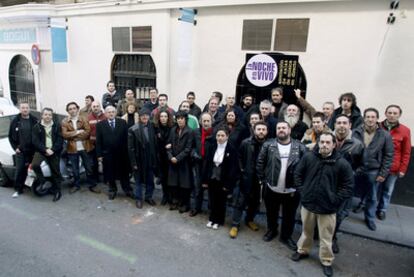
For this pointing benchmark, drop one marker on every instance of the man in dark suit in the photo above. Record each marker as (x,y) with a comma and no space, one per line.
(112,151)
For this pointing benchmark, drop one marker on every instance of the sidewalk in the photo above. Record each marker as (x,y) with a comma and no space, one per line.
(398,228)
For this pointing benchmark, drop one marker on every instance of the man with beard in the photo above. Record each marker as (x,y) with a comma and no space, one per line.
(249,192)
(348,106)
(312,134)
(324,180)
(275,166)
(292,116)
(377,160)
(202,137)
(265,112)
(351,150)
(112,97)
(278,106)
(248,107)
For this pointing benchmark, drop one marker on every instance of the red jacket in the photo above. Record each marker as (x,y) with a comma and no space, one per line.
(401,138)
(93,120)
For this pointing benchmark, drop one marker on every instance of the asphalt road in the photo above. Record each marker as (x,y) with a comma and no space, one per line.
(84,234)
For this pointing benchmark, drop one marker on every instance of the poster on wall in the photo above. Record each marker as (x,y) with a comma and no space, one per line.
(263,70)
(59,44)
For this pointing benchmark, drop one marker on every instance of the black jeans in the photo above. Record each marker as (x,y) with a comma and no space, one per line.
(273,202)
(126,186)
(180,196)
(198,191)
(53,162)
(251,200)
(217,197)
(23,159)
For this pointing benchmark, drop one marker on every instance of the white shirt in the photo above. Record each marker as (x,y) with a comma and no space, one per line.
(79,144)
(219,155)
(284,152)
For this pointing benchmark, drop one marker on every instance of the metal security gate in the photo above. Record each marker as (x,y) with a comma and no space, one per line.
(22,84)
(136,72)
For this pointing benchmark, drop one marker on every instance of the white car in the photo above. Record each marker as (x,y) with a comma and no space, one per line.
(7,167)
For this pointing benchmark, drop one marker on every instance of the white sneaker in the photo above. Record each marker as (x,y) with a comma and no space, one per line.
(215,226)
(15,195)
(209,224)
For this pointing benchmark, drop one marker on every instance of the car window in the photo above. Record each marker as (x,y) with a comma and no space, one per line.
(4,125)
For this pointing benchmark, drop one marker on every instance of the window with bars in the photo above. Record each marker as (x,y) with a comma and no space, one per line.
(291,34)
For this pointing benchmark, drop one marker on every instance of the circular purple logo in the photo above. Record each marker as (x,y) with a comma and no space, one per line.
(261,70)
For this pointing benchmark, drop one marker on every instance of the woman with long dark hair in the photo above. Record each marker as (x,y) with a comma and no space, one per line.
(220,172)
(234,127)
(163,123)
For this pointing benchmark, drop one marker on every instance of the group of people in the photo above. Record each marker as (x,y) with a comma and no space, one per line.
(253,152)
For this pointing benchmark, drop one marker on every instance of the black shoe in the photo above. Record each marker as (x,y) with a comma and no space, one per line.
(138,204)
(112,195)
(371,225)
(74,189)
(358,208)
(298,256)
(183,209)
(270,234)
(164,201)
(290,243)
(381,215)
(151,202)
(129,195)
(335,246)
(57,196)
(94,189)
(327,270)
(193,213)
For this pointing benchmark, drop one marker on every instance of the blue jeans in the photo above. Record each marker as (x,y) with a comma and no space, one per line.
(370,188)
(74,160)
(149,182)
(385,192)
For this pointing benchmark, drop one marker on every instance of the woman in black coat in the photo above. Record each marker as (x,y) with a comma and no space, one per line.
(164,122)
(220,172)
(180,178)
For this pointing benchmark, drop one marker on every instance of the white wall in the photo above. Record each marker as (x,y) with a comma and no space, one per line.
(90,53)
(342,53)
